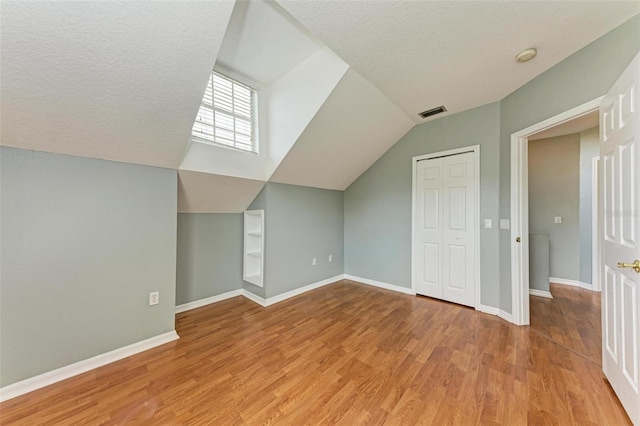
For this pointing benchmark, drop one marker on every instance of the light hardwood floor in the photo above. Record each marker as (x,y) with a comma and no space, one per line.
(571,318)
(342,354)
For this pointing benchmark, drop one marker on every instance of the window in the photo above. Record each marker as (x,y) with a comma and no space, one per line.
(228,115)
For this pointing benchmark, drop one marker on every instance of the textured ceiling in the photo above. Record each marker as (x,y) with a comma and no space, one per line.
(123,80)
(263,42)
(113,80)
(576,125)
(354,127)
(422,54)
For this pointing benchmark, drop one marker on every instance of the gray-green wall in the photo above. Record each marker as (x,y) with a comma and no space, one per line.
(209,255)
(554,190)
(378,204)
(83,243)
(301,223)
(589,148)
(584,76)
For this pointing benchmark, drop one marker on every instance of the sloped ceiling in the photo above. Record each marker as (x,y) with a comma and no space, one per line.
(254,44)
(123,80)
(354,127)
(207,193)
(113,80)
(423,54)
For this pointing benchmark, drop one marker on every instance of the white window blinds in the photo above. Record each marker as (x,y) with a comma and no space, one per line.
(228,115)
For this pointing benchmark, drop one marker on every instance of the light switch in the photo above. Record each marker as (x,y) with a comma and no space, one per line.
(487,224)
(504,223)
(558,219)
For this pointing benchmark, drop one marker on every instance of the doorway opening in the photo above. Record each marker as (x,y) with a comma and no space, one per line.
(520,220)
(562,185)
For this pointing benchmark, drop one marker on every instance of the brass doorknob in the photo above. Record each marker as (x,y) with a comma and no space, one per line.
(635,265)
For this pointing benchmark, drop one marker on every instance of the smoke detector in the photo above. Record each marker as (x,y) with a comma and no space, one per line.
(527,55)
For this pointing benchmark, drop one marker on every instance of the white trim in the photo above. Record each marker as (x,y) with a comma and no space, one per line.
(505,315)
(495,311)
(563,281)
(380,284)
(586,286)
(595,226)
(284,296)
(572,283)
(255,279)
(63,373)
(207,301)
(476,211)
(488,309)
(288,295)
(520,209)
(256,299)
(540,293)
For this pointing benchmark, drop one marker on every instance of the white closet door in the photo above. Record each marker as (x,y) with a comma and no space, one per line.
(446,257)
(458,245)
(429,228)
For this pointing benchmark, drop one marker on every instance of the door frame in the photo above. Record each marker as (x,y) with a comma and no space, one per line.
(596,285)
(520,206)
(476,210)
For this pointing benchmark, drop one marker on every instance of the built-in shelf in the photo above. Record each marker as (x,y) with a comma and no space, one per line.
(253,258)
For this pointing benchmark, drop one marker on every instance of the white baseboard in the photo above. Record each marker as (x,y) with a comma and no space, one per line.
(208,301)
(380,284)
(540,293)
(586,286)
(256,299)
(488,309)
(284,296)
(495,311)
(573,283)
(505,316)
(59,374)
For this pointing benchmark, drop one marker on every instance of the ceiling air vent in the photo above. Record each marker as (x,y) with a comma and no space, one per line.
(432,111)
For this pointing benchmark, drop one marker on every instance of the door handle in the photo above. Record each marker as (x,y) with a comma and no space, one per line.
(635,265)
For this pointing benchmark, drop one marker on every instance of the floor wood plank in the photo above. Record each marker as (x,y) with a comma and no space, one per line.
(346,354)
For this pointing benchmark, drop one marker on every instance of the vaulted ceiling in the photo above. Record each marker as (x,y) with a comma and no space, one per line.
(112,80)
(345,80)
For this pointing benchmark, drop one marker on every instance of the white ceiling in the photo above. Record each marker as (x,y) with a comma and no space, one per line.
(577,125)
(263,42)
(423,54)
(123,80)
(113,80)
(354,127)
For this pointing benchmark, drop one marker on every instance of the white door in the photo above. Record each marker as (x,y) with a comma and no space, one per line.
(445,245)
(620,154)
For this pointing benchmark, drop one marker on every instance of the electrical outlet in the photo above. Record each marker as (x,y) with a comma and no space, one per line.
(487,224)
(558,219)
(504,223)
(154,298)
(313,262)
(330,258)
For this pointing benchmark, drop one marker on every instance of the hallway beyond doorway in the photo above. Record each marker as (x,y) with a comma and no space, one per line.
(571,319)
